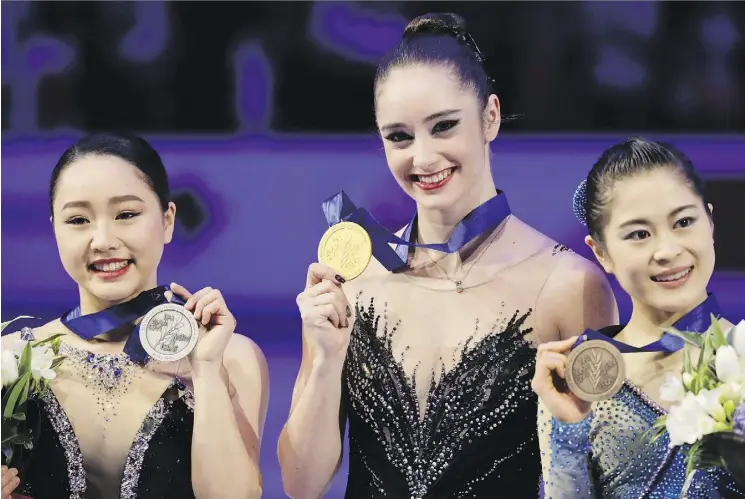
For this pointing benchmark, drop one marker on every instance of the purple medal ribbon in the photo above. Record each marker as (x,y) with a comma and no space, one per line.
(339,208)
(92,325)
(697,320)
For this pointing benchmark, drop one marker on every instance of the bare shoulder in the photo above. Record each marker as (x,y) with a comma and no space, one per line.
(576,296)
(575,280)
(571,268)
(527,241)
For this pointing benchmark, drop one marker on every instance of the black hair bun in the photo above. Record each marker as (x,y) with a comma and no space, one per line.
(436,24)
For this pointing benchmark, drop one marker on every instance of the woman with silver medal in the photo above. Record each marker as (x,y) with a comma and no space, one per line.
(431,361)
(649,225)
(157,397)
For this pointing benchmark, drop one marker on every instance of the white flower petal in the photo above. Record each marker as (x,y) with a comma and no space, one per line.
(727,364)
(672,389)
(19,346)
(9,367)
(684,423)
(736,338)
(709,400)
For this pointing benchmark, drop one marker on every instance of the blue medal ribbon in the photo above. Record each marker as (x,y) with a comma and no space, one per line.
(98,323)
(487,216)
(697,320)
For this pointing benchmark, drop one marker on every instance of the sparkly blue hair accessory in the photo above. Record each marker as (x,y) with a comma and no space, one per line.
(579,201)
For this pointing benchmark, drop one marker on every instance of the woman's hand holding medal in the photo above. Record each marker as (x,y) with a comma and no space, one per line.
(216,323)
(551,363)
(325,312)
(324,308)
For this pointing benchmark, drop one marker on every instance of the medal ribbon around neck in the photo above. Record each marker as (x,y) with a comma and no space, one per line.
(595,369)
(697,320)
(95,324)
(487,216)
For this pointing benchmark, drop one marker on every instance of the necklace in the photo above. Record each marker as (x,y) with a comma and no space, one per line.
(108,376)
(459,282)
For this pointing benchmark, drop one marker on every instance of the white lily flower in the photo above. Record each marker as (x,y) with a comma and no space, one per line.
(41,363)
(687,421)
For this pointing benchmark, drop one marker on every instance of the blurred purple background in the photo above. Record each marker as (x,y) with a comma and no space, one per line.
(262,110)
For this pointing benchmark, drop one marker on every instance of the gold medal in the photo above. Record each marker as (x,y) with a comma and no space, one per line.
(346,247)
(595,370)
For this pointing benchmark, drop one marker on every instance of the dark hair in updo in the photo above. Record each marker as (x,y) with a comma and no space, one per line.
(439,39)
(635,155)
(133,149)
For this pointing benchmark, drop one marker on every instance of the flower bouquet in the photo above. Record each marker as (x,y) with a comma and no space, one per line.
(708,411)
(27,368)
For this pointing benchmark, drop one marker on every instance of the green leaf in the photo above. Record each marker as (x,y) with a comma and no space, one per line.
(3,325)
(687,364)
(703,373)
(9,404)
(19,416)
(24,363)
(49,339)
(687,483)
(720,339)
(23,396)
(57,361)
(656,431)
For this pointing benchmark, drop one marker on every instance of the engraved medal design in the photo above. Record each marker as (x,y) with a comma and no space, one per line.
(169,332)
(595,370)
(346,247)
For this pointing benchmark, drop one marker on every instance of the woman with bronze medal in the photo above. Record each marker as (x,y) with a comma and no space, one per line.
(649,225)
(157,397)
(426,349)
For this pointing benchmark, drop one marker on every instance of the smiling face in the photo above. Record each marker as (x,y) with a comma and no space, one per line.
(110,229)
(436,136)
(658,241)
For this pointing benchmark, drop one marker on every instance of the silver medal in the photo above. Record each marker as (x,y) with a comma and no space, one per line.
(169,332)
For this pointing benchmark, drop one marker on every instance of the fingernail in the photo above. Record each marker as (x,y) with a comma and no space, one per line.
(340,278)
(349,311)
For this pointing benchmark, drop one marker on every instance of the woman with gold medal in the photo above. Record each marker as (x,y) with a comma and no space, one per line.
(426,349)
(649,225)
(171,406)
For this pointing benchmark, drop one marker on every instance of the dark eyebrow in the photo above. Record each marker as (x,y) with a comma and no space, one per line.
(440,114)
(114,200)
(124,199)
(641,221)
(681,208)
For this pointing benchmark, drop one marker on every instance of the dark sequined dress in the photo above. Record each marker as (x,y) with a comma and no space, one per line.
(477,437)
(158,465)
